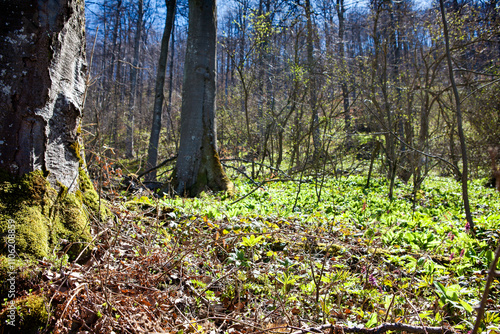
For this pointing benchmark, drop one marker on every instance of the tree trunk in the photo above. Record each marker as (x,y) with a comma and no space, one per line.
(198,167)
(343,72)
(159,85)
(42,66)
(42,83)
(312,83)
(465,173)
(170,122)
(133,83)
(111,70)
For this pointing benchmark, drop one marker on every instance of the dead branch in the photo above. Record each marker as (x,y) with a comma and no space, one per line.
(491,275)
(157,166)
(377,330)
(258,163)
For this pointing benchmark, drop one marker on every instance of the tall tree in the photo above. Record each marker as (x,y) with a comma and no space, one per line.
(458,111)
(42,61)
(159,85)
(133,82)
(343,69)
(198,166)
(311,67)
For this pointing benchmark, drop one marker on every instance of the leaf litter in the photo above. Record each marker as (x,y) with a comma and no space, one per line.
(157,269)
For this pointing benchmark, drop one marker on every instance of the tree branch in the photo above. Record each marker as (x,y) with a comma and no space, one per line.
(377,330)
(157,166)
(484,299)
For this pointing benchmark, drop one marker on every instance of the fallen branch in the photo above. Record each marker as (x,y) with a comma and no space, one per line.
(376,330)
(242,173)
(258,163)
(157,166)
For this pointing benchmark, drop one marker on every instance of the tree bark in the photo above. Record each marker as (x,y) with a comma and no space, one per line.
(313,100)
(42,83)
(463,147)
(133,83)
(44,185)
(154,138)
(198,166)
(343,71)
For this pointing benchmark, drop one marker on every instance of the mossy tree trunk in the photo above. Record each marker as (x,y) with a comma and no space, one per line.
(42,87)
(198,167)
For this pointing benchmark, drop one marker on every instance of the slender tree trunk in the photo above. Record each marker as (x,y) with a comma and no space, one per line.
(343,70)
(313,100)
(463,148)
(133,83)
(263,63)
(117,96)
(111,73)
(160,83)
(198,166)
(404,170)
(170,122)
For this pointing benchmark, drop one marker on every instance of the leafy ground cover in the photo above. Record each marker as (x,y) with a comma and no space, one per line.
(284,257)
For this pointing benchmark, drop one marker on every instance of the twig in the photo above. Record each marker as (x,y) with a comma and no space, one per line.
(416,312)
(77,290)
(157,166)
(379,329)
(258,163)
(242,173)
(484,299)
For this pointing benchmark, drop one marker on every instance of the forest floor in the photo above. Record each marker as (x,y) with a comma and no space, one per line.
(326,255)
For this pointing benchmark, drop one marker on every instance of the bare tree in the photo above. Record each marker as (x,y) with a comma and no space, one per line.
(458,111)
(133,82)
(159,85)
(198,166)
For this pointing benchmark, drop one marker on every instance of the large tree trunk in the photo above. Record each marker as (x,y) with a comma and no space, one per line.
(198,166)
(154,139)
(42,86)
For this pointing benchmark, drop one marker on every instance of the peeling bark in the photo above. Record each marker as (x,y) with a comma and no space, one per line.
(42,84)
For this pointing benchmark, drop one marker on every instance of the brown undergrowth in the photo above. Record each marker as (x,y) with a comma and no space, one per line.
(153,270)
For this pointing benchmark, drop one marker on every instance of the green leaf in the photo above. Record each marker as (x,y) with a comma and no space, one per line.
(373,321)
(466,305)
(440,288)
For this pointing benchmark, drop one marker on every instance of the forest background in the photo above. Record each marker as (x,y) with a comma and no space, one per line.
(303,80)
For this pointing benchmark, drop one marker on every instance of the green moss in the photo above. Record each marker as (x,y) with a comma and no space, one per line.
(89,196)
(30,314)
(76,149)
(84,180)
(26,203)
(43,217)
(23,272)
(32,231)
